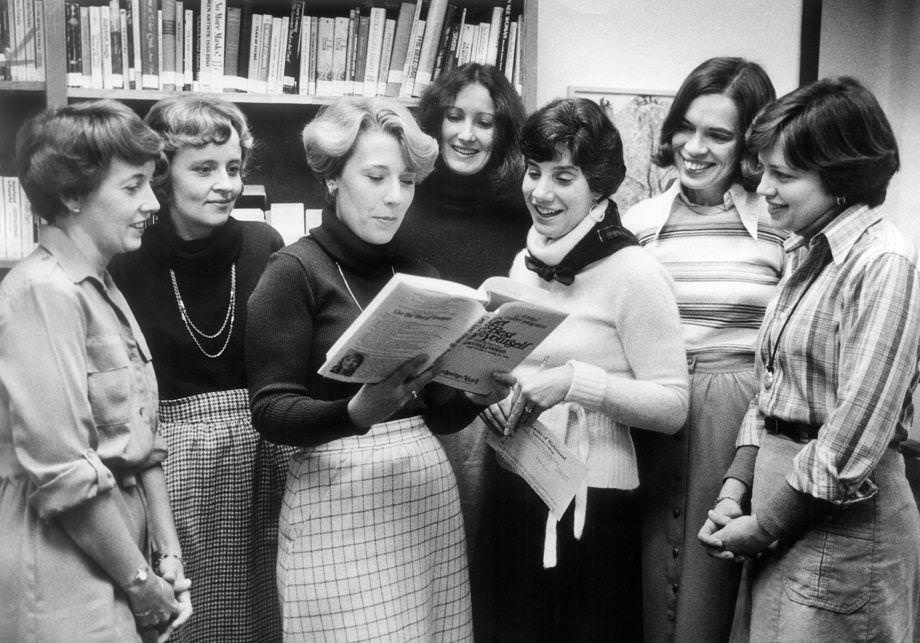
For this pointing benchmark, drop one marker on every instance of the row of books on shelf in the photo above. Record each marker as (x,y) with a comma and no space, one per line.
(22,40)
(225,46)
(18,228)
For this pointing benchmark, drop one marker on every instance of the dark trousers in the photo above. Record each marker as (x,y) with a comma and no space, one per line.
(592,594)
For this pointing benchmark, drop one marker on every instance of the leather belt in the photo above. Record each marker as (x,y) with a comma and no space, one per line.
(795,431)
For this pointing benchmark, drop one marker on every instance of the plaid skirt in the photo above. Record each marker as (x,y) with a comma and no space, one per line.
(225,486)
(371,543)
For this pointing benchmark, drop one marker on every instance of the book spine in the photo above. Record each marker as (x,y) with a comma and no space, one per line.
(266,55)
(218,42)
(150,72)
(5,41)
(350,50)
(292,51)
(306,55)
(29,228)
(95,48)
(375,36)
(73,42)
(134,17)
(482,43)
(255,53)
(28,41)
(108,55)
(232,81)
(518,52)
(405,22)
(168,71)
(434,23)
(339,55)
(325,53)
(495,31)
(448,32)
(503,37)
(188,55)
(362,36)
(245,40)
(314,47)
(412,56)
(86,47)
(203,64)
(180,45)
(386,54)
(40,40)
(512,48)
(276,55)
(12,218)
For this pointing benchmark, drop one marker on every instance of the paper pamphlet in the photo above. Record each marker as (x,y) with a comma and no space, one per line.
(551,469)
(476,331)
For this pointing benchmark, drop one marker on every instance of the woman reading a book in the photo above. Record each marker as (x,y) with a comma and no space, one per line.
(468,220)
(89,550)
(712,232)
(830,528)
(616,362)
(188,286)
(371,543)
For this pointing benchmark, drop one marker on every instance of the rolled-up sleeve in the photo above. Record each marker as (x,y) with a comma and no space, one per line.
(43,374)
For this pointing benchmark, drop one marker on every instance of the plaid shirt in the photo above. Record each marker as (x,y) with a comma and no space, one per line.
(847,360)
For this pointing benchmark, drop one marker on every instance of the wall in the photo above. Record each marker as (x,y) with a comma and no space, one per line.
(653,44)
(879,43)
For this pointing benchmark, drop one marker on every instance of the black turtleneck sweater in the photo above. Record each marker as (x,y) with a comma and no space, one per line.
(458,225)
(299,309)
(202,269)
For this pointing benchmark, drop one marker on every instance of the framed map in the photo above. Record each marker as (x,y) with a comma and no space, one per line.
(638,115)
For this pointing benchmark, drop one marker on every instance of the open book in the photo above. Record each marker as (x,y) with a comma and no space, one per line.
(477,331)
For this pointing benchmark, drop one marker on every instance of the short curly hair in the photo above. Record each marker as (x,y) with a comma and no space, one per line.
(330,138)
(505,166)
(65,152)
(184,120)
(835,127)
(580,126)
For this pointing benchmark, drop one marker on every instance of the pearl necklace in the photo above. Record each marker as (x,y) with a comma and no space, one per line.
(348,288)
(193,330)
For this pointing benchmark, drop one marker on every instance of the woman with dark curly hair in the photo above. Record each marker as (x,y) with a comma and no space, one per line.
(615,364)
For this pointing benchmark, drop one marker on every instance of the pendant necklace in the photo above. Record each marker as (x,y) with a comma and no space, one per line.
(193,330)
(348,288)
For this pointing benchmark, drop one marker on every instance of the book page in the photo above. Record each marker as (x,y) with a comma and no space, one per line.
(411,315)
(551,469)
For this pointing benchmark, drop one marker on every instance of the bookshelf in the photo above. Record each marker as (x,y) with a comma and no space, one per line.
(276,118)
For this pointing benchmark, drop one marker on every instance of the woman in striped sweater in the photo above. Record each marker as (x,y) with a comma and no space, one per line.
(713,234)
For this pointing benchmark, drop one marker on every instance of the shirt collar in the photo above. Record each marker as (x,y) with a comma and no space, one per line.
(841,232)
(747,204)
(72,261)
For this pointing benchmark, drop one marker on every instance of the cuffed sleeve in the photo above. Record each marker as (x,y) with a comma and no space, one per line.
(69,484)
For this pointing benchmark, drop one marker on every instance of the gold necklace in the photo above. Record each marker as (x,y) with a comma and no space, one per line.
(193,330)
(348,288)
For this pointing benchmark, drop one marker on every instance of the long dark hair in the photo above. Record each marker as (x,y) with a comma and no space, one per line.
(505,166)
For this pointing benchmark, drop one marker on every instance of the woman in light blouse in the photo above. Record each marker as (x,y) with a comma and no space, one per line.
(833,532)
(82,494)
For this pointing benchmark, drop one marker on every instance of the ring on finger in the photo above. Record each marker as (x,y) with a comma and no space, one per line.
(528,409)
(414,394)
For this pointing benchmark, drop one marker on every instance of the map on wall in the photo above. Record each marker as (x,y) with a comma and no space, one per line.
(638,116)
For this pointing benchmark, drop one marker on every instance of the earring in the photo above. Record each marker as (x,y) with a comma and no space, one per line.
(331,188)
(75,210)
(841,201)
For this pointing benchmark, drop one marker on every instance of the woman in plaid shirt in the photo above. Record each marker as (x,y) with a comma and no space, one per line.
(832,533)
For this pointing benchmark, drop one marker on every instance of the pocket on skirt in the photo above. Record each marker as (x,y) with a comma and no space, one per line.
(830,570)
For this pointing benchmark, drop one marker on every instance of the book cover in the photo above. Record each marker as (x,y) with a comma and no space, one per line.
(339,55)
(325,43)
(373,56)
(474,332)
(408,13)
(434,23)
(412,56)
(386,53)
(292,50)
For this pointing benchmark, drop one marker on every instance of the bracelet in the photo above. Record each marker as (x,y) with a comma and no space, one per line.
(158,559)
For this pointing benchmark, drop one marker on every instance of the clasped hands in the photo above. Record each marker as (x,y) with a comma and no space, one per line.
(376,402)
(728,534)
(163,602)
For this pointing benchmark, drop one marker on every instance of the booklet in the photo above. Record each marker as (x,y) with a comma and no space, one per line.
(477,331)
(551,469)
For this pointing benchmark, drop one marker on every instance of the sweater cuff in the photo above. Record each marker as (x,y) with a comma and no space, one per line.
(345,420)
(789,512)
(588,384)
(742,466)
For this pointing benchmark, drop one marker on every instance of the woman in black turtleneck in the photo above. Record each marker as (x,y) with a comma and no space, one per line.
(371,542)
(469,220)
(188,286)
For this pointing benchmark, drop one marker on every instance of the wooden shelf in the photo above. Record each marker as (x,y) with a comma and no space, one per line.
(21,86)
(236,97)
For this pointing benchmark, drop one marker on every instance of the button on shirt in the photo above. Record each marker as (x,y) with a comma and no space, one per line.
(845,362)
(78,395)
